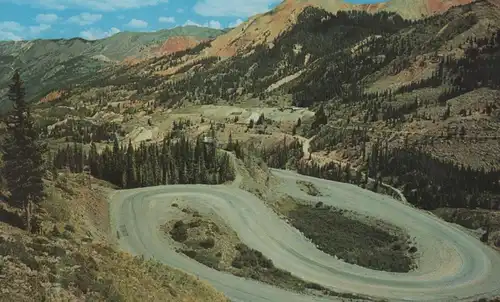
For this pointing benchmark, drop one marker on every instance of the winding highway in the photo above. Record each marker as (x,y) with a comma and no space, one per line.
(452,265)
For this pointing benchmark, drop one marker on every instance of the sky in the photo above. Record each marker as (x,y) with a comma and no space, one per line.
(97,19)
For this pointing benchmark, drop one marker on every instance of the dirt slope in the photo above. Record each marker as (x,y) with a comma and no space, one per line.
(175,44)
(72,260)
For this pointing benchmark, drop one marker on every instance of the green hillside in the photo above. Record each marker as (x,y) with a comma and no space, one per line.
(53,64)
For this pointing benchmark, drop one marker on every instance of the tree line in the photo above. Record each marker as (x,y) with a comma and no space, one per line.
(173,161)
(83,131)
(426,182)
(430,183)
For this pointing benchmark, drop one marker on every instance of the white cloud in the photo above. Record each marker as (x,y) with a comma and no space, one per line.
(46,18)
(189,22)
(235,23)
(166,19)
(35,30)
(98,5)
(180,10)
(9,36)
(11,26)
(234,8)
(11,31)
(96,33)
(212,24)
(85,19)
(136,23)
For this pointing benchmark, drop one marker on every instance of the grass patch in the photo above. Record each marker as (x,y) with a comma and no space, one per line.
(208,259)
(352,240)
(39,268)
(179,231)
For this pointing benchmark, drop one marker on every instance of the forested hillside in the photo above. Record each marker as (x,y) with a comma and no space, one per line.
(350,59)
(316,38)
(62,63)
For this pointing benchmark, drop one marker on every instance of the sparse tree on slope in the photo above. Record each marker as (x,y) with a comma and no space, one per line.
(23,151)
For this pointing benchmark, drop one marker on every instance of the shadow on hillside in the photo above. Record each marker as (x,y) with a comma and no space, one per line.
(9,216)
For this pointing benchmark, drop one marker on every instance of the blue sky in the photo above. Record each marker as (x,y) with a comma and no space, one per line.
(95,19)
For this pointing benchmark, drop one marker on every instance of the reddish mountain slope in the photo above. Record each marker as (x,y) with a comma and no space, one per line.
(264,28)
(439,6)
(175,44)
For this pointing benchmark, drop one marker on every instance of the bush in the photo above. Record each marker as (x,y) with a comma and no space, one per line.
(207,243)
(179,231)
(250,258)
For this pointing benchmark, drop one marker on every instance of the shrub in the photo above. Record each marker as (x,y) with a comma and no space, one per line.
(207,243)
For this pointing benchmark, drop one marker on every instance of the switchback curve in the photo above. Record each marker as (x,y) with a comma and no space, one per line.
(453,265)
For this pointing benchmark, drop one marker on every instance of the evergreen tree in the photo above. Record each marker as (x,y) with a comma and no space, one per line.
(23,152)
(319,117)
(129,181)
(182,162)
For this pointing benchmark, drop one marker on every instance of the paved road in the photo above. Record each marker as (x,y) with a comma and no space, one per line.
(453,266)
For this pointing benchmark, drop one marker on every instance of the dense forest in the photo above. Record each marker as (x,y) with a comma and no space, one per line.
(174,161)
(426,182)
(431,183)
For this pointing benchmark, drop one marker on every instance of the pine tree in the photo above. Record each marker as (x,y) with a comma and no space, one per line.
(129,181)
(23,152)
(320,117)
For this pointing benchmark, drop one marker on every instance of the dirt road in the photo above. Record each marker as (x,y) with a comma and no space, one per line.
(453,266)
(306,150)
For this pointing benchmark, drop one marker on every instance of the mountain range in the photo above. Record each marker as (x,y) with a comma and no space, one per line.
(61,62)
(48,64)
